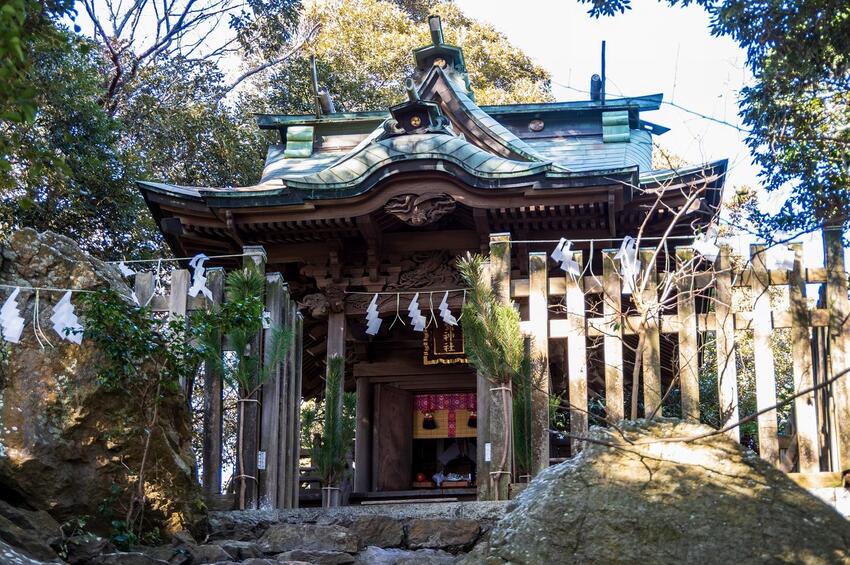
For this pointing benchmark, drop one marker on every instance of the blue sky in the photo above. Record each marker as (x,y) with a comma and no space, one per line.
(651,48)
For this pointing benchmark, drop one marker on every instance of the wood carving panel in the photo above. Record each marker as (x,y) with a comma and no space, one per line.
(420,210)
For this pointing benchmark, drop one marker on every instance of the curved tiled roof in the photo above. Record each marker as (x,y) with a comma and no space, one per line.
(358,165)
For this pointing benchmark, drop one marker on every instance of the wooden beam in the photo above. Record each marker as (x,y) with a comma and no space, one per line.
(612,332)
(576,358)
(255,258)
(727,373)
(538,311)
(651,358)
(688,336)
(272,442)
(500,468)
(805,410)
(363,437)
(763,357)
(296,380)
(838,305)
(213,413)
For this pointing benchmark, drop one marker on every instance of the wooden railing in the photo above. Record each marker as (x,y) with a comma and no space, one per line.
(271,433)
(681,306)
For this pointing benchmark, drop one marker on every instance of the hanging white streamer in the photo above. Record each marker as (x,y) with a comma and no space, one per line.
(65,321)
(415,313)
(629,263)
(563,255)
(267,320)
(445,313)
(125,270)
(10,318)
(199,280)
(372,319)
(705,244)
(779,257)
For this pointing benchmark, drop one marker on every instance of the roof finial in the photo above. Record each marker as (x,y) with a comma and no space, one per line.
(412,93)
(436,29)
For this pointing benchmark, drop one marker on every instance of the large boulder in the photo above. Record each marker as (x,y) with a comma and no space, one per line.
(64,446)
(641,495)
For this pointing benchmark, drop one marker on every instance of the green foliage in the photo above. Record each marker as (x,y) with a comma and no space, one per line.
(138,350)
(491,332)
(145,361)
(329,455)
(363,51)
(523,386)
(240,318)
(798,109)
(24,23)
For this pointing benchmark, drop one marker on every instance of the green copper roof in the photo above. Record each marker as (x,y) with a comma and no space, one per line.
(354,169)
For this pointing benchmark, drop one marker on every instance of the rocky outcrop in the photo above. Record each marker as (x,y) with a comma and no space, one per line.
(62,446)
(640,495)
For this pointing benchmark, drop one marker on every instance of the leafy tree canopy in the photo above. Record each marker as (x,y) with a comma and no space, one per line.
(798,109)
(363,51)
(91,114)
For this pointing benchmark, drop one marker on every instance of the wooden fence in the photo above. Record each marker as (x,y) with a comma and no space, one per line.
(585,309)
(271,431)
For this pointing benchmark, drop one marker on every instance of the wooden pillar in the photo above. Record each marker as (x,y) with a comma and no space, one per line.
(283,404)
(363,436)
(336,347)
(483,454)
(576,357)
(255,258)
(805,410)
(177,302)
(501,409)
(538,312)
(651,361)
(272,442)
(838,305)
(727,372)
(763,357)
(688,352)
(612,342)
(213,422)
(294,376)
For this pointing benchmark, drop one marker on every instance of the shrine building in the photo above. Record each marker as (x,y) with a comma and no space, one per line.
(351,204)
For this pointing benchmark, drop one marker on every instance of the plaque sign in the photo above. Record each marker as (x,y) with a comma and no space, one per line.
(443,344)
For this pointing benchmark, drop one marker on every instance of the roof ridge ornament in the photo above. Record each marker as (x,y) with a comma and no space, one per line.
(440,54)
(415,116)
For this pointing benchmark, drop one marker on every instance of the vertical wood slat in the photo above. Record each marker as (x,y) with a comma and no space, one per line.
(613,339)
(363,435)
(293,406)
(271,441)
(213,410)
(282,407)
(538,312)
(652,339)
(576,357)
(727,374)
(255,257)
(839,338)
(177,301)
(763,357)
(688,348)
(482,404)
(295,387)
(805,410)
(501,413)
